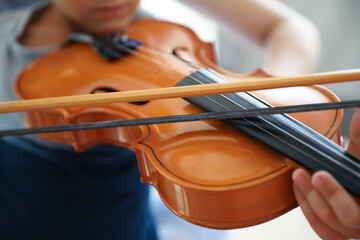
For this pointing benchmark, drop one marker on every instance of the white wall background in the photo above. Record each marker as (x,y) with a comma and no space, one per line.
(339,24)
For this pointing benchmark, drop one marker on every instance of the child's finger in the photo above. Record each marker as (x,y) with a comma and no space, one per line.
(354,143)
(322,229)
(316,201)
(342,203)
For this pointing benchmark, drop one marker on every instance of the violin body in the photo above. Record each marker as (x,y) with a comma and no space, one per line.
(205,172)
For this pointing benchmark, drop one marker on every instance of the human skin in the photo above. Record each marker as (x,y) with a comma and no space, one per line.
(332,212)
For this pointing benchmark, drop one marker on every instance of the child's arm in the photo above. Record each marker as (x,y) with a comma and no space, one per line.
(291,41)
(332,212)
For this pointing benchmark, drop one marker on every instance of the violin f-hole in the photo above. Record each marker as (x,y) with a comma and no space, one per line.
(109,89)
(182,54)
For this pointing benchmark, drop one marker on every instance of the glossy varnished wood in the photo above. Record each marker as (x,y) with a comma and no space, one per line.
(205,172)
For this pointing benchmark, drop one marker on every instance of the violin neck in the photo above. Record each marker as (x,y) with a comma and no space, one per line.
(281,132)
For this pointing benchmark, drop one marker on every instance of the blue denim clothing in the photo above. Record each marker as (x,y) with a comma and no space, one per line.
(59,194)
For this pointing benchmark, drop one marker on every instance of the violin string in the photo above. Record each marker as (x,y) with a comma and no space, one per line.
(280,129)
(291,136)
(185,118)
(150,69)
(155,51)
(134,52)
(131,51)
(158,51)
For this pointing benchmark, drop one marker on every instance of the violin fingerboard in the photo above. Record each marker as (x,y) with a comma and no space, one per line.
(280,132)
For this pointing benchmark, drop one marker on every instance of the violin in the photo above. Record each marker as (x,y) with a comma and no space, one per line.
(218,174)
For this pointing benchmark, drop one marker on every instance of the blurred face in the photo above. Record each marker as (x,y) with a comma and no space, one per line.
(96,16)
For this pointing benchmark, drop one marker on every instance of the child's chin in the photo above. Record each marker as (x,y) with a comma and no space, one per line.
(102,30)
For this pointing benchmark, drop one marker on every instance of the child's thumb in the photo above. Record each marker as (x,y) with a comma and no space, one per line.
(354,143)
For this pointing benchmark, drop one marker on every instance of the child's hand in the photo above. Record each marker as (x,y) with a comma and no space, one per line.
(332,212)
